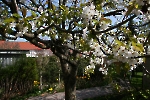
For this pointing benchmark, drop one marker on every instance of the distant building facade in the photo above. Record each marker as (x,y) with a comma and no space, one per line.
(10,51)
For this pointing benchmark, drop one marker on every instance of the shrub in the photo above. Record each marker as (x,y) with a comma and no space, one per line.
(18,78)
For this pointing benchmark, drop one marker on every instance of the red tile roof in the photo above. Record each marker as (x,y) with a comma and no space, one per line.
(8,45)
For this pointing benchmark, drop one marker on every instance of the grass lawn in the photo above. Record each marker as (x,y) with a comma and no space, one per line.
(136,81)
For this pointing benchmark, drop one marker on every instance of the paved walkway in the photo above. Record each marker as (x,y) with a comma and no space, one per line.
(81,94)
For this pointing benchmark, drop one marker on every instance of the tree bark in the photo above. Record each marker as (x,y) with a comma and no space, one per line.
(146,78)
(69,75)
(41,82)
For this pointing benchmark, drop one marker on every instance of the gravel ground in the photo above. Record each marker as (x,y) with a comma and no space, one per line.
(81,94)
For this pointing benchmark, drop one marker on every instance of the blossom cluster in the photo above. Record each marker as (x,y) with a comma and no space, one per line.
(122,53)
(88,13)
(37,23)
(125,55)
(142,8)
(99,58)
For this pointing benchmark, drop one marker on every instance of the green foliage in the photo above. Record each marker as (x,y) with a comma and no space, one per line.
(88,80)
(18,78)
(82,63)
(52,70)
(26,70)
(138,46)
(9,20)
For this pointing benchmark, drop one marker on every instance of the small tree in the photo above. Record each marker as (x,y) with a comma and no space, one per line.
(52,73)
(76,27)
(42,62)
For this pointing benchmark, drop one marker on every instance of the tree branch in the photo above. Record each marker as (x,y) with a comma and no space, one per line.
(37,42)
(43,30)
(146,70)
(67,31)
(12,5)
(6,2)
(146,39)
(5,35)
(115,26)
(27,6)
(50,5)
(116,12)
(142,24)
(8,37)
(33,2)
(144,56)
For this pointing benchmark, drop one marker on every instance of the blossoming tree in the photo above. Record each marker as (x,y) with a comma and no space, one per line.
(102,30)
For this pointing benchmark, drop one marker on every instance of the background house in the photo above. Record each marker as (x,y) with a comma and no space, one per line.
(10,51)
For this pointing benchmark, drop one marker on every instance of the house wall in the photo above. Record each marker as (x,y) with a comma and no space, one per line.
(36,53)
(9,57)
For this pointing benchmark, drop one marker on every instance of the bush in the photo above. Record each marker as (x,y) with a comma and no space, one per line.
(18,78)
(52,71)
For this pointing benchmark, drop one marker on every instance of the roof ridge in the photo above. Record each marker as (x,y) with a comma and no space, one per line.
(17,45)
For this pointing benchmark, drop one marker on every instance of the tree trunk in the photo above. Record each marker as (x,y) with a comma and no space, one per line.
(146,78)
(41,82)
(69,75)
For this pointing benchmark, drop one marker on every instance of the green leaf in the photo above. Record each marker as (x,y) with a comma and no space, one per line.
(16,15)
(138,46)
(29,18)
(130,8)
(107,20)
(63,7)
(111,4)
(133,39)
(126,67)
(136,6)
(119,43)
(69,16)
(95,21)
(79,24)
(82,4)
(96,2)
(99,7)
(91,36)
(50,10)
(118,70)
(9,20)
(33,14)
(53,7)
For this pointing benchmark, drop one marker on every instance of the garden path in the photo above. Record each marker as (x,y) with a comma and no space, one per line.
(81,94)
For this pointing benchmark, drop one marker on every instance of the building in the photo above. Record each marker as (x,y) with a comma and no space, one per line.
(10,51)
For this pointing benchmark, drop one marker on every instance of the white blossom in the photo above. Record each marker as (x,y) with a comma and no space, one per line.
(40,9)
(104,25)
(19,34)
(23,32)
(88,13)
(12,25)
(137,12)
(140,2)
(84,35)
